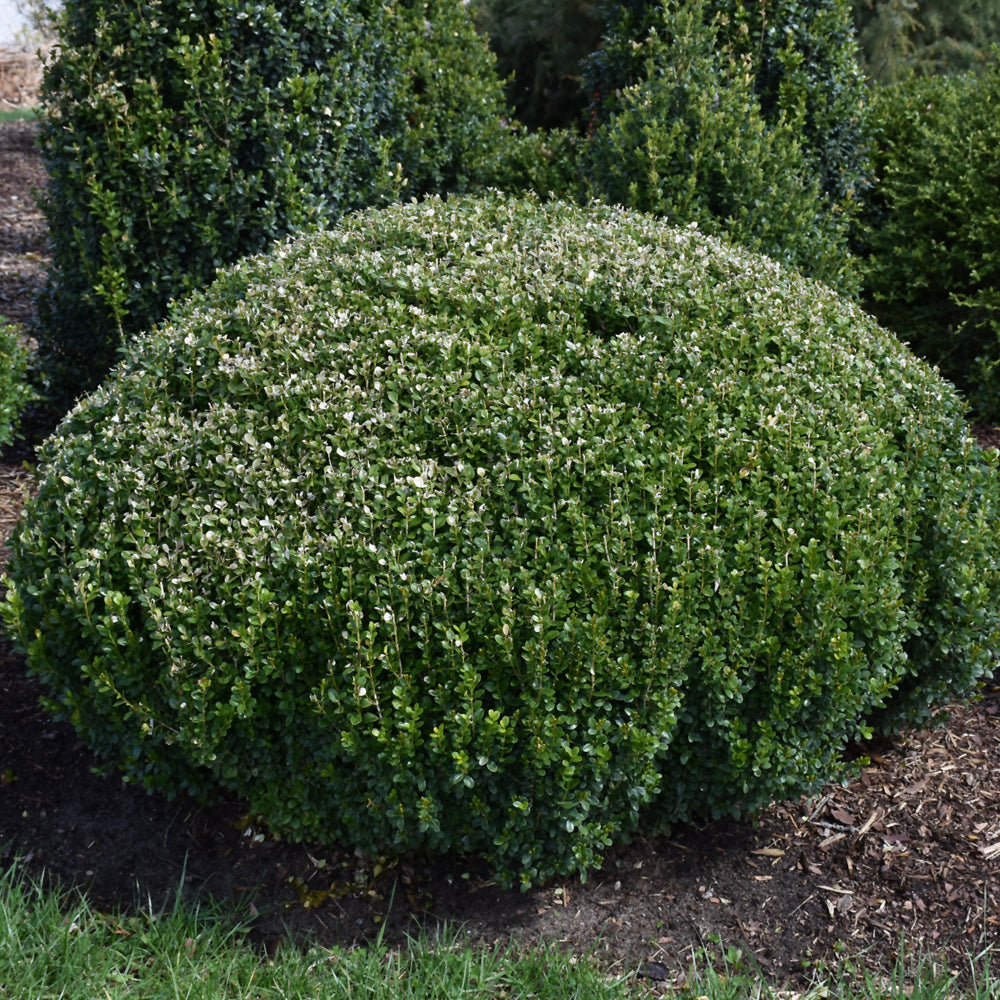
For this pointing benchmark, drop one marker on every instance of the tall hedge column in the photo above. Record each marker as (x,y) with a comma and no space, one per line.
(180,135)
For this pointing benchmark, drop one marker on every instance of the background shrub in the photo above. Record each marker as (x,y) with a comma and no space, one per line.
(180,136)
(506,527)
(546,163)
(933,266)
(803,57)
(15,393)
(900,37)
(450,126)
(689,141)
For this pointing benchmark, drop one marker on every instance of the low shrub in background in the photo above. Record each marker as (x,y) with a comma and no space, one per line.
(15,392)
(747,120)
(180,136)
(449,129)
(689,141)
(506,527)
(547,164)
(932,231)
(801,57)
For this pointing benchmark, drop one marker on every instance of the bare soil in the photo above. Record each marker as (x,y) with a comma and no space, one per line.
(908,849)
(23,251)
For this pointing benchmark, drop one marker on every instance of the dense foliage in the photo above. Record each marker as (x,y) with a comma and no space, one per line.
(448,130)
(802,55)
(692,138)
(933,268)
(900,37)
(14,391)
(545,162)
(182,135)
(506,527)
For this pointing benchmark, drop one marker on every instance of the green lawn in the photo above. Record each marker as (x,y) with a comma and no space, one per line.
(53,947)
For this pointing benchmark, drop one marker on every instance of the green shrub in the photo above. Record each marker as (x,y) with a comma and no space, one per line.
(689,141)
(933,267)
(15,393)
(506,527)
(803,55)
(180,136)
(449,105)
(542,163)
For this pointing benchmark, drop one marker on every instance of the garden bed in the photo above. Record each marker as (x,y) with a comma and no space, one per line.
(909,849)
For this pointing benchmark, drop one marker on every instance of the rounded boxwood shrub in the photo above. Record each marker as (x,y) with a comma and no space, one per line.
(506,527)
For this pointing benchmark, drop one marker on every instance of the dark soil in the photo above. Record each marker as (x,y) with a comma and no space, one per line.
(22,227)
(910,848)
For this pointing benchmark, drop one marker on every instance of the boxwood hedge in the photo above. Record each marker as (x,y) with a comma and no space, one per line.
(506,527)
(15,392)
(931,265)
(180,136)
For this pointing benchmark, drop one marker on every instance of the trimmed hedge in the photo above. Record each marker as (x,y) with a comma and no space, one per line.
(690,141)
(932,267)
(506,527)
(15,392)
(181,136)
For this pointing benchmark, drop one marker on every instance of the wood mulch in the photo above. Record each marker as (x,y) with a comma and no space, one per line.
(911,845)
(23,236)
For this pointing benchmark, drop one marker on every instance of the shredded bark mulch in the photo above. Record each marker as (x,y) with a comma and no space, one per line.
(23,241)
(909,850)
